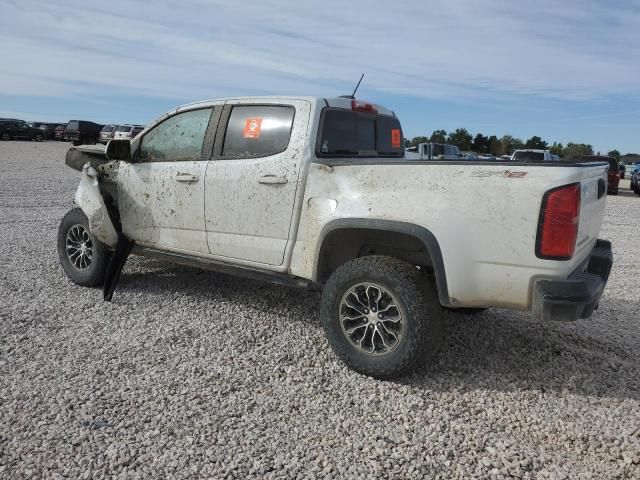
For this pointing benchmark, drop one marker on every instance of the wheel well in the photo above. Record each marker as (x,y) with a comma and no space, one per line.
(344,244)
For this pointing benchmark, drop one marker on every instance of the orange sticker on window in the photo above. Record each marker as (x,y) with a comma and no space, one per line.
(396,140)
(252,128)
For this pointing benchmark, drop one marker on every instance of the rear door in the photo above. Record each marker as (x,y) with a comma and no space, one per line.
(252,180)
(161,194)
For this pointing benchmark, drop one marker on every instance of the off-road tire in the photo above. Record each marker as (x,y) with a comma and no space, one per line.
(93,275)
(417,298)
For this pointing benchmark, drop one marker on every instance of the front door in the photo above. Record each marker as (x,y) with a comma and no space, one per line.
(253,178)
(161,193)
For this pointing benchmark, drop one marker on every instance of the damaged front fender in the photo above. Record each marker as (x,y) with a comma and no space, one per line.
(90,201)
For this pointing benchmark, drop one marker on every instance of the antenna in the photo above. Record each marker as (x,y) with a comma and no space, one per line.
(353,95)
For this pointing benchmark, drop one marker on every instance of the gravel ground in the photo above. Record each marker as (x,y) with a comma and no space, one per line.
(196,374)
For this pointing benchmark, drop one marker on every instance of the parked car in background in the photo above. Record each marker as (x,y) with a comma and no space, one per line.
(623,170)
(19,130)
(49,130)
(613,176)
(106,133)
(531,155)
(58,132)
(82,132)
(433,151)
(127,132)
(635,180)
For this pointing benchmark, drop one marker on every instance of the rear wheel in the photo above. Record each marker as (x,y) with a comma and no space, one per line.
(38,137)
(381,316)
(82,256)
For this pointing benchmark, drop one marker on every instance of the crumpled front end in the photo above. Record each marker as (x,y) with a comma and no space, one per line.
(89,198)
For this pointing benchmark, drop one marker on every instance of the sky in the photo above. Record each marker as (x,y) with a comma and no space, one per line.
(563,70)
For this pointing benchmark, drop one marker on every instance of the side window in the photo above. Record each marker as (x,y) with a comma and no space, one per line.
(178,138)
(258,130)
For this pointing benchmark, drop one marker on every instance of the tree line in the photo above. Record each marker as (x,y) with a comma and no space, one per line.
(505,145)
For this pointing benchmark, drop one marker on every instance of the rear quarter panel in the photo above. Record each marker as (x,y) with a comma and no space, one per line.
(484,217)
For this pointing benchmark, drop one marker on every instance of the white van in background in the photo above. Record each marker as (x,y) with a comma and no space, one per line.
(531,155)
(433,151)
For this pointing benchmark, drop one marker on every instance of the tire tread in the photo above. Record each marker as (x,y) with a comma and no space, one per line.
(410,283)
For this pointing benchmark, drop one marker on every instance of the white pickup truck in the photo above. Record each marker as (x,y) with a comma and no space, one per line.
(317,192)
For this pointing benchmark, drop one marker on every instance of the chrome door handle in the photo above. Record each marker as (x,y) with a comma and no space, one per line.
(272,180)
(186,177)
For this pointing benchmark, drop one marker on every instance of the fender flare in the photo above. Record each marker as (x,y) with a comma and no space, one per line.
(421,233)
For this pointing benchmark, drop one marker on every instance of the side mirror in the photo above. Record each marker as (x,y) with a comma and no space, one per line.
(118,150)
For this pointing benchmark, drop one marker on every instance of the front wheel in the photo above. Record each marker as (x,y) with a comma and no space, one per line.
(82,256)
(6,136)
(381,316)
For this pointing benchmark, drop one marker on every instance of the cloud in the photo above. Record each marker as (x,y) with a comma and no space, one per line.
(575,49)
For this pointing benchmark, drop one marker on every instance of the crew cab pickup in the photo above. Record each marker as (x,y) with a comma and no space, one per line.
(317,192)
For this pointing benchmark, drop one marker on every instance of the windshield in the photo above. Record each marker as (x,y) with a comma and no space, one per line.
(529,156)
(124,128)
(349,133)
(107,128)
(72,125)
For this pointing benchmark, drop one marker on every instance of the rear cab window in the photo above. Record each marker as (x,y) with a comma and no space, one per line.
(348,133)
(258,130)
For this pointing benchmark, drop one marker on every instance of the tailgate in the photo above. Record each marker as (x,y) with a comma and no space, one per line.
(593,182)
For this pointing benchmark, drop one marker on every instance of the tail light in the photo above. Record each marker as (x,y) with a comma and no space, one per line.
(359,106)
(558,223)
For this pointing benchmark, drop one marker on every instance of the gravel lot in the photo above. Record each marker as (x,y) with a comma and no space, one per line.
(195,374)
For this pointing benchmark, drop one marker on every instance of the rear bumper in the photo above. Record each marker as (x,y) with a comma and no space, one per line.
(577,296)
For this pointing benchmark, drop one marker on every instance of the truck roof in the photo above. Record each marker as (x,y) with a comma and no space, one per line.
(337,102)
